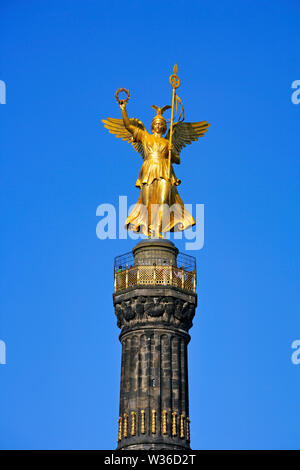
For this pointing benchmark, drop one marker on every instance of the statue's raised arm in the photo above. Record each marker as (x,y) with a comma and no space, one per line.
(130,130)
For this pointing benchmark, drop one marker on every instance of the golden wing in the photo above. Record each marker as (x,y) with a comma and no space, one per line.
(185,133)
(116,126)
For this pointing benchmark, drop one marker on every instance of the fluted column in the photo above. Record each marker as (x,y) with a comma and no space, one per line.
(154,408)
(153,398)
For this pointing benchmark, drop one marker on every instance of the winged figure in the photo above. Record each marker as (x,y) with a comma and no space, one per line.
(159,207)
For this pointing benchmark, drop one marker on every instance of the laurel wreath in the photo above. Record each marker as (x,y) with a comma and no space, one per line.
(120,90)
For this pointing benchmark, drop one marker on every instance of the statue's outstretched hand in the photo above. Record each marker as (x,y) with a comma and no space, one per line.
(122,102)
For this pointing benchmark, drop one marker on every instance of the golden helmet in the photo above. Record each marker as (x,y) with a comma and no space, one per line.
(159,115)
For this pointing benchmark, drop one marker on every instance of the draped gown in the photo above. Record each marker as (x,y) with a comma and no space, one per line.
(159,207)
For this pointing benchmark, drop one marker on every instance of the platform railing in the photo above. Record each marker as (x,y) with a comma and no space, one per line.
(154,275)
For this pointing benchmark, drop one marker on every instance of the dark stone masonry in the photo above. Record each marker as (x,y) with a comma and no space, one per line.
(154,322)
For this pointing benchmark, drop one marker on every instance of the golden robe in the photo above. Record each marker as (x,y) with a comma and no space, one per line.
(159,207)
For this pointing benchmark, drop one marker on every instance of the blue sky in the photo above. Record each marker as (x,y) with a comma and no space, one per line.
(62,62)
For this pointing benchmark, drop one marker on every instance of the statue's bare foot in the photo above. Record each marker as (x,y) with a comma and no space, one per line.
(154,233)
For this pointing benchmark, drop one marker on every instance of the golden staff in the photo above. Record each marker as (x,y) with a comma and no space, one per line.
(175,82)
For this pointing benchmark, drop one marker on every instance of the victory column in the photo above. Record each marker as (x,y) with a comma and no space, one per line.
(155,287)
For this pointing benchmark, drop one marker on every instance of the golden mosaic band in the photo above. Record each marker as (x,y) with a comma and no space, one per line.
(182,434)
(125,425)
(133,423)
(184,424)
(188,437)
(153,422)
(120,429)
(164,422)
(143,421)
(174,423)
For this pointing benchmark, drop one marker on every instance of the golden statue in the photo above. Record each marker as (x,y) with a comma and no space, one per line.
(159,207)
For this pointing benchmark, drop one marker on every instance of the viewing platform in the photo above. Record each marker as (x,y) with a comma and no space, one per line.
(157,268)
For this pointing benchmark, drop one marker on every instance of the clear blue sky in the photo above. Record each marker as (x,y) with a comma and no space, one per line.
(62,62)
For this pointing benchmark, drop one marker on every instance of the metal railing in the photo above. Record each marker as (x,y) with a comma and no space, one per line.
(154,275)
(187,262)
